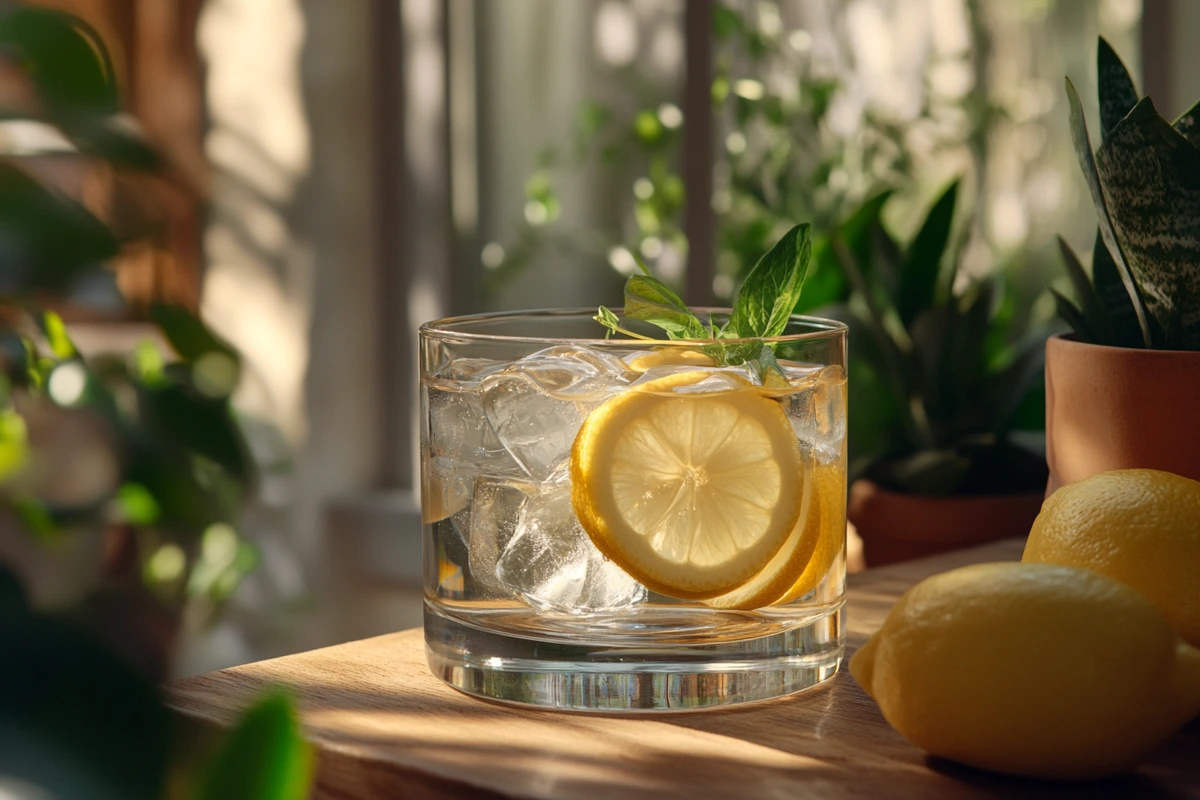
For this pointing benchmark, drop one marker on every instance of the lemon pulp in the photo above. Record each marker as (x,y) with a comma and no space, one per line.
(690,491)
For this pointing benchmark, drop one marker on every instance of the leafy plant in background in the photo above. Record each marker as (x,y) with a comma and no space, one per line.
(141,448)
(939,380)
(1144,290)
(782,164)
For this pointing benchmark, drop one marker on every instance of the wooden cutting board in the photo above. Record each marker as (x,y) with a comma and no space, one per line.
(384,727)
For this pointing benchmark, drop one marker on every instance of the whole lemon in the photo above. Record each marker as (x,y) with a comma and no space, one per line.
(1031,669)
(1138,526)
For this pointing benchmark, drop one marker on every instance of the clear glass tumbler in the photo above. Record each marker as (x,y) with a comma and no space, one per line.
(631,524)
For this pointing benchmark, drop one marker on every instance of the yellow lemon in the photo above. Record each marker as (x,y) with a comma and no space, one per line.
(691,483)
(1031,669)
(806,556)
(670,357)
(1138,526)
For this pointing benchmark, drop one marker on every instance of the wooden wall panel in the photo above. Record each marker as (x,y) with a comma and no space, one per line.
(153,45)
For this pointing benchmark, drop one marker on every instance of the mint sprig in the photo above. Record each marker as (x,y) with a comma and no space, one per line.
(772,289)
(760,311)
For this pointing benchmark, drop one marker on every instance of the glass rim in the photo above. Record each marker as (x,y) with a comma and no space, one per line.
(445,328)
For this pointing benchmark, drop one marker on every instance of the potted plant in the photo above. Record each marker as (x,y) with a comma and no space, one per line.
(940,381)
(139,452)
(1120,387)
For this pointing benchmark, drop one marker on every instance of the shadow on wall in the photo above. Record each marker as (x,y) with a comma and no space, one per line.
(290,278)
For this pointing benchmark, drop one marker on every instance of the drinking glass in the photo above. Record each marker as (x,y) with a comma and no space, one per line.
(529,596)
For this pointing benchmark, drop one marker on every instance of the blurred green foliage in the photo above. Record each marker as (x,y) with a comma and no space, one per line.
(943,369)
(144,449)
(263,758)
(941,372)
(781,164)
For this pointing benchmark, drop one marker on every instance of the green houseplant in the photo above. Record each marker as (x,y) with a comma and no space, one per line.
(941,382)
(1119,386)
(781,162)
(141,451)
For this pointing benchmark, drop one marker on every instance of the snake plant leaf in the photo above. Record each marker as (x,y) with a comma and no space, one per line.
(1150,176)
(1008,388)
(930,472)
(951,342)
(1087,164)
(1118,95)
(932,334)
(825,284)
(1099,328)
(876,389)
(859,233)
(1188,124)
(973,324)
(922,263)
(1071,314)
(1115,298)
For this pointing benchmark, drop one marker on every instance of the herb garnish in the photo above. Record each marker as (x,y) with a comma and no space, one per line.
(760,311)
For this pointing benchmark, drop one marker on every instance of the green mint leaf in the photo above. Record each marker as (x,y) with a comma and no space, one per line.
(771,290)
(642,265)
(649,299)
(768,369)
(609,320)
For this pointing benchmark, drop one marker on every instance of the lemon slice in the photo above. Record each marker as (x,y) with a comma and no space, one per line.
(831,533)
(690,491)
(443,494)
(808,553)
(670,357)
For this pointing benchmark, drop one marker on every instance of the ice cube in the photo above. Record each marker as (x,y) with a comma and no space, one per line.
(536,429)
(553,564)
(460,433)
(537,404)
(457,426)
(468,373)
(445,490)
(799,371)
(818,414)
(494,515)
(567,372)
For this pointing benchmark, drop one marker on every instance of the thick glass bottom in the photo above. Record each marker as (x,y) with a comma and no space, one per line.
(595,674)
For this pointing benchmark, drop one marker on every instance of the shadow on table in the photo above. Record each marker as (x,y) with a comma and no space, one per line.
(1142,787)
(830,741)
(852,723)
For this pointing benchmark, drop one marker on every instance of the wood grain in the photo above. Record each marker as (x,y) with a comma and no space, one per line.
(385,727)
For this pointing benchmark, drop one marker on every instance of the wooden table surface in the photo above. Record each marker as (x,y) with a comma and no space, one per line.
(384,727)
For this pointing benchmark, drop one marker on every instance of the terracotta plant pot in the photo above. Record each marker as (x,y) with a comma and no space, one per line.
(897,526)
(1119,408)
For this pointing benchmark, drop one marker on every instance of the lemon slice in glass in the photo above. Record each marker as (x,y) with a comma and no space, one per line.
(805,558)
(691,485)
(670,357)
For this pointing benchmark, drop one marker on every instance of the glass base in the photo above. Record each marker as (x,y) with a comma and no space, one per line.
(594,675)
